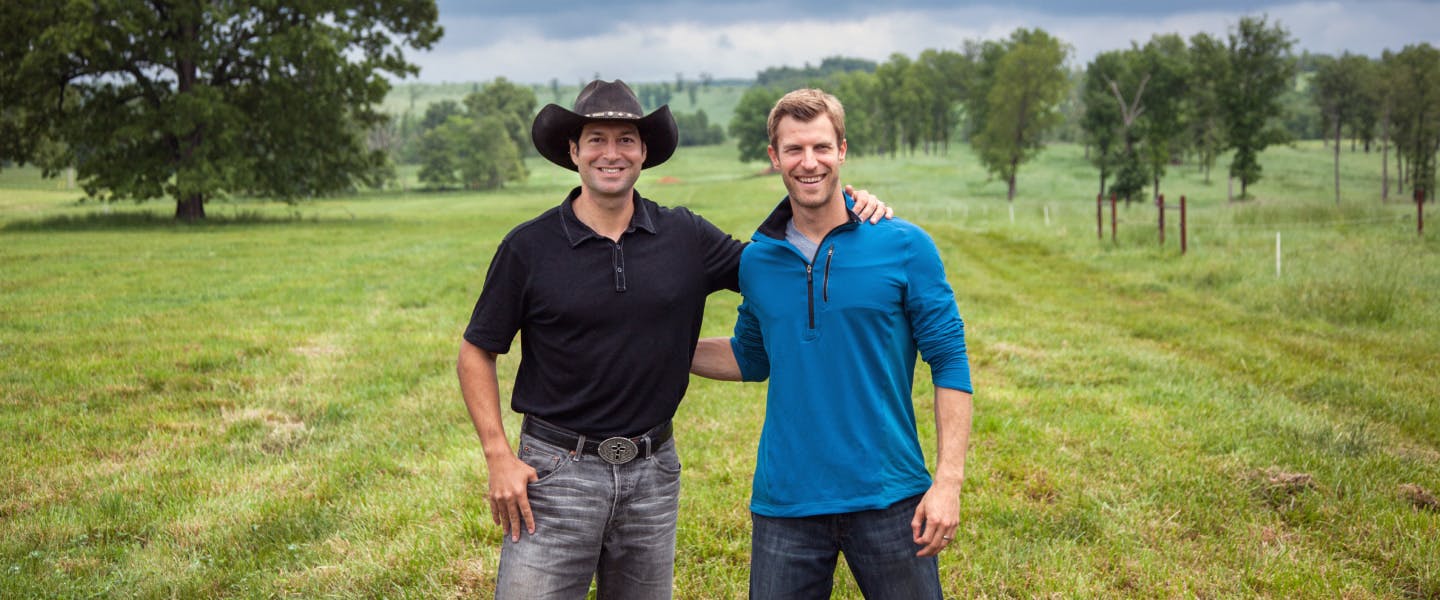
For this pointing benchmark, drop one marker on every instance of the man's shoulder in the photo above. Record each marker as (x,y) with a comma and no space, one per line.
(668,213)
(891,231)
(680,219)
(543,224)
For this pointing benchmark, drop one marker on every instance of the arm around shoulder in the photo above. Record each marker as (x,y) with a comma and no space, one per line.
(715,359)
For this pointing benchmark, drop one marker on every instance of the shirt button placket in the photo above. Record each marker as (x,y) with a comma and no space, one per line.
(617,253)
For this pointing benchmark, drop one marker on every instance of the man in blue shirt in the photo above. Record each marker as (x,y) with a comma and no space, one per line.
(833,316)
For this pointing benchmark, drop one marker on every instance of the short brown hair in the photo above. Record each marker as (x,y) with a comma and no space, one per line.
(806,105)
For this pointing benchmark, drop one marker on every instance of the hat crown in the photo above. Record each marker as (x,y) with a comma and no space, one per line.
(605,99)
(555,127)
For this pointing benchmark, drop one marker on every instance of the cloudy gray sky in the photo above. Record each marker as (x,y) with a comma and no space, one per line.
(535,41)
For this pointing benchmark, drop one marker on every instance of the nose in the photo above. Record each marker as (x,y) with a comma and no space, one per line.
(808,161)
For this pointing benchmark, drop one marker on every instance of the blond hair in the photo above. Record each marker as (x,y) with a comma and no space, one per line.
(806,105)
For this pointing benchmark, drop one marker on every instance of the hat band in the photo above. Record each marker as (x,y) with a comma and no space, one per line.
(612,114)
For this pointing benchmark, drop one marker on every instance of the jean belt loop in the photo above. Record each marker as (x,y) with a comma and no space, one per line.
(579,448)
(649,452)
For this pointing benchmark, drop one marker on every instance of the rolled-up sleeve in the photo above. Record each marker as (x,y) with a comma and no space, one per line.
(935,320)
(749,346)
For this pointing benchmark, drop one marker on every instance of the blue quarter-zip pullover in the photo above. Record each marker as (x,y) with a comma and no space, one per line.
(837,338)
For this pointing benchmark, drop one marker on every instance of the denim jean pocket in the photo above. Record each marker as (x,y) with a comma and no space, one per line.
(546,460)
(667,459)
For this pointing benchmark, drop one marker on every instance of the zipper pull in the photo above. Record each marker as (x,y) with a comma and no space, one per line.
(825,286)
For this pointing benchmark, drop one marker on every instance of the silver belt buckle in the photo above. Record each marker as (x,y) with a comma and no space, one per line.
(617,450)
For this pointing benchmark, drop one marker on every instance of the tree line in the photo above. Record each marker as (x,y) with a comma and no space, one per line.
(148,99)
(1000,95)
(1152,105)
(480,142)
(1138,111)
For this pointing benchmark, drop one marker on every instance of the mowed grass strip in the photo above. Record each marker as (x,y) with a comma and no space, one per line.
(264,405)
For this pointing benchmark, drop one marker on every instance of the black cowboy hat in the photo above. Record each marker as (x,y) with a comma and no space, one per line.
(554,127)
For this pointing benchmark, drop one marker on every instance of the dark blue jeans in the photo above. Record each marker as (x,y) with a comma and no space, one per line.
(794,558)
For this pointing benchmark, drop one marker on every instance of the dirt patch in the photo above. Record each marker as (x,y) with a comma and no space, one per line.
(1039,488)
(284,436)
(263,415)
(473,580)
(1279,488)
(1419,497)
(283,431)
(317,350)
(667,180)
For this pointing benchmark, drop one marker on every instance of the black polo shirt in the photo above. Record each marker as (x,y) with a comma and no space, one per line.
(607,329)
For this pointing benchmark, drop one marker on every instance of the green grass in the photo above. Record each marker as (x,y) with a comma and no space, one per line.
(265,405)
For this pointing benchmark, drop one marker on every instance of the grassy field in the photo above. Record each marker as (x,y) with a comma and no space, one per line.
(264,405)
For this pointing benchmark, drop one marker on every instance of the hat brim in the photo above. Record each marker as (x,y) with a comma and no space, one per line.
(555,125)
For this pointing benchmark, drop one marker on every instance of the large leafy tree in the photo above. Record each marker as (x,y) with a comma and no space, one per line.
(1338,89)
(945,73)
(1209,68)
(1029,83)
(1128,81)
(901,110)
(512,104)
(1166,61)
(470,151)
(1260,69)
(1103,120)
(1415,75)
(859,91)
(748,125)
(479,147)
(191,99)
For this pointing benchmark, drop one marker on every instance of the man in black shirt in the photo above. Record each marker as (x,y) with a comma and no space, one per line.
(607,292)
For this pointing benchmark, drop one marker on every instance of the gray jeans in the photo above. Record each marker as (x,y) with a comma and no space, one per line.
(615,523)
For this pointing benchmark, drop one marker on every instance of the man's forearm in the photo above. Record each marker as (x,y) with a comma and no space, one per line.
(953,410)
(480,387)
(715,359)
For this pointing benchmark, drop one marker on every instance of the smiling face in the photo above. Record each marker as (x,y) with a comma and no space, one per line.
(608,155)
(808,155)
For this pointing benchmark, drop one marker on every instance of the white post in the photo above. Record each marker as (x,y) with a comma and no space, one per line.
(1012,214)
(1277,254)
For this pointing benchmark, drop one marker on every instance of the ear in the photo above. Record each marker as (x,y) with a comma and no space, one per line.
(774,158)
(574,152)
(842,150)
